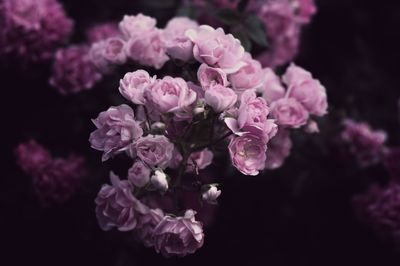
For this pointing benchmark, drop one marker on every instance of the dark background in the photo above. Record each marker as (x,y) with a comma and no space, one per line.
(298,215)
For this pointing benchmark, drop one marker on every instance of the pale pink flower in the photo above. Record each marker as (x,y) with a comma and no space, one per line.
(134,84)
(220,98)
(210,76)
(199,160)
(289,112)
(154,150)
(139,174)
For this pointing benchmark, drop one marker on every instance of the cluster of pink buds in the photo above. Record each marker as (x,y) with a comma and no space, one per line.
(171,126)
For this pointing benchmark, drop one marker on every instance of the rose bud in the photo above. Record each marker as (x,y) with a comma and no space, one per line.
(159,180)
(211,194)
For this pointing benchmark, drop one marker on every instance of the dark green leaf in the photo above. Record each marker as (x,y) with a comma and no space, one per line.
(228,17)
(243,38)
(256,30)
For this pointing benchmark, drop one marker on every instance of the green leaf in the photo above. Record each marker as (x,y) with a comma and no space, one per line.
(243,38)
(188,11)
(256,30)
(228,17)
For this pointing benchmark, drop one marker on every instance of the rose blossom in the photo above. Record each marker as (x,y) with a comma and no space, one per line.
(155,150)
(250,76)
(211,194)
(365,144)
(199,160)
(308,91)
(217,49)
(133,85)
(116,130)
(96,56)
(148,49)
(32,157)
(247,153)
(145,227)
(135,26)
(272,88)
(210,76)
(220,98)
(278,149)
(159,180)
(289,112)
(117,207)
(177,44)
(139,174)
(114,50)
(102,31)
(170,95)
(72,70)
(178,236)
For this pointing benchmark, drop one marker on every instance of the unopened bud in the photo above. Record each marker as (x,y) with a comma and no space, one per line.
(211,194)
(159,180)
(158,127)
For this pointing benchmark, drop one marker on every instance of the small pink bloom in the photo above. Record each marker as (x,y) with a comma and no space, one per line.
(210,76)
(250,76)
(199,160)
(178,236)
(170,95)
(308,91)
(272,88)
(247,153)
(289,112)
(217,49)
(220,98)
(102,31)
(135,26)
(155,150)
(139,174)
(32,157)
(114,51)
(278,149)
(117,207)
(133,85)
(116,130)
(177,44)
(145,227)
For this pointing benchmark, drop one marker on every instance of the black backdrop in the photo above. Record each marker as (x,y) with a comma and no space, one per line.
(299,215)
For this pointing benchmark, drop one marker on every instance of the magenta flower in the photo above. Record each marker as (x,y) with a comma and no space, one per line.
(217,49)
(155,150)
(32,29)
(32,157)
(102,31)
(73,71)
(365,144)
(247,153)
(178,236)
(117,207)
(116,131)
(289,112)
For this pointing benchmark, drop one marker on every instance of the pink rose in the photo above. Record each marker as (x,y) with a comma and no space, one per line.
(145,227)
(170,95)
(199,160)
(272,88)
(139,174)
(278,149)
(306,90)
(209,76)
(147,48)
(133,85)
(289,112)
(114,50)
(155,150)
(116,130)
(135,26)
(178,236)
(217,49)
(247,153)
(96,56)
(177,44)
(252,117)
(250,76)
(117,207)
(220,98)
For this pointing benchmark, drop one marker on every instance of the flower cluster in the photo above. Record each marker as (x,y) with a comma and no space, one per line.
(32,29)
(172,125)
(365,144)
(55,180)
(283,20)
(73,70)
(379,209)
